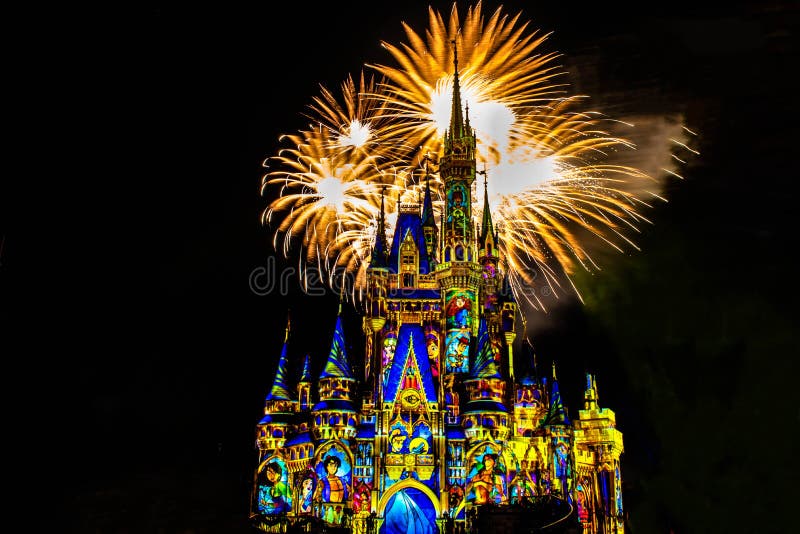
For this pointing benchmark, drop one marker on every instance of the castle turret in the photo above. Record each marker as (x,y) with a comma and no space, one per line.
(598,448)
(278,406)
(486,416)
(529,397)
(334,416)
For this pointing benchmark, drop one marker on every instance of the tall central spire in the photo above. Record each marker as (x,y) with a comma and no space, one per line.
(456,118)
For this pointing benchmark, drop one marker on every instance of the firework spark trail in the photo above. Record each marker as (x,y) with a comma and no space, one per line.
(556,183)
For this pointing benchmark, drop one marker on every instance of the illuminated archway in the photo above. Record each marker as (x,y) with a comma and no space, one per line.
(409,508)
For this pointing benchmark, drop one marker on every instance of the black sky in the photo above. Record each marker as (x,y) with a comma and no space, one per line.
(125,278)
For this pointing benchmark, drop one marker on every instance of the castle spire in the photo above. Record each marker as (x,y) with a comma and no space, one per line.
(306,374)
(427,203)
(557,414)
(337,366)
(456,117)
(590,394)
(487,226)
(280,389)
(379,251)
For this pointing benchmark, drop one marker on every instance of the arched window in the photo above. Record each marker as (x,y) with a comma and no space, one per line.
(447,254)
(459,253)
(409,261)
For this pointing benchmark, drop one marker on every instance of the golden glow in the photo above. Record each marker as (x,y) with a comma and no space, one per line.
(554,189)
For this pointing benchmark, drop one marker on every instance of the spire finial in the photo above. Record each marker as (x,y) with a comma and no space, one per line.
(456,120)
(288,325)
(554,370)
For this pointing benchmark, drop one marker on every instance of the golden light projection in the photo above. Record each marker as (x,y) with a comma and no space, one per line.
(556,187)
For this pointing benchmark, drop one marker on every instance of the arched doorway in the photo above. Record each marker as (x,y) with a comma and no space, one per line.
(409,511)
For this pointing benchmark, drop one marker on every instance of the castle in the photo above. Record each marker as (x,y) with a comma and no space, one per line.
(439,429)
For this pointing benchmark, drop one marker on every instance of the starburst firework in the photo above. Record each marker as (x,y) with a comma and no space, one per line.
(552,186)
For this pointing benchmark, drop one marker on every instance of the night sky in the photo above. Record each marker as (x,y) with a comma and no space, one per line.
(146,356)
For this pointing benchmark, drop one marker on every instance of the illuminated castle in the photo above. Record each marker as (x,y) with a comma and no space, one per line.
(439,434)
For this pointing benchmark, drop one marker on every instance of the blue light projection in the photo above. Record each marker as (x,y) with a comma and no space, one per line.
(409,511)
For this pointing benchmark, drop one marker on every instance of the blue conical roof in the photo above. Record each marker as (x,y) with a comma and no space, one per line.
(557,414)
(280,388)
(306,375)
(337,365)
(484,364)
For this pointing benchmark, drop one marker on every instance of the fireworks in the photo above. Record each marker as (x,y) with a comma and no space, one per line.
(553,185)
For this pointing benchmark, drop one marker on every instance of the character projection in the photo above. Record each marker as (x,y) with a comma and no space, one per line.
(388,351)
(333,487)
(458,322)
(361,497)
(486,480)
(274,496)
(432,343)
(305,492)
(582,501)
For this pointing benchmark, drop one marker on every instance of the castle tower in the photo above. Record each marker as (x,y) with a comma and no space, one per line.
(335,414)
(530,400)
(486,415)
(560,450)
(376,310)
(598,446)
(459,275)
(278,406)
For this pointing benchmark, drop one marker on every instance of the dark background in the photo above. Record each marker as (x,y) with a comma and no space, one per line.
(138,357)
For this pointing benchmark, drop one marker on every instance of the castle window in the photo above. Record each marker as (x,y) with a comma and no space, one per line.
(408,280)
(459,253)
(409,257)
(447,254)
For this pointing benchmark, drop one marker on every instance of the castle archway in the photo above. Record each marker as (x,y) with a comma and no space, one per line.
(409,508)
